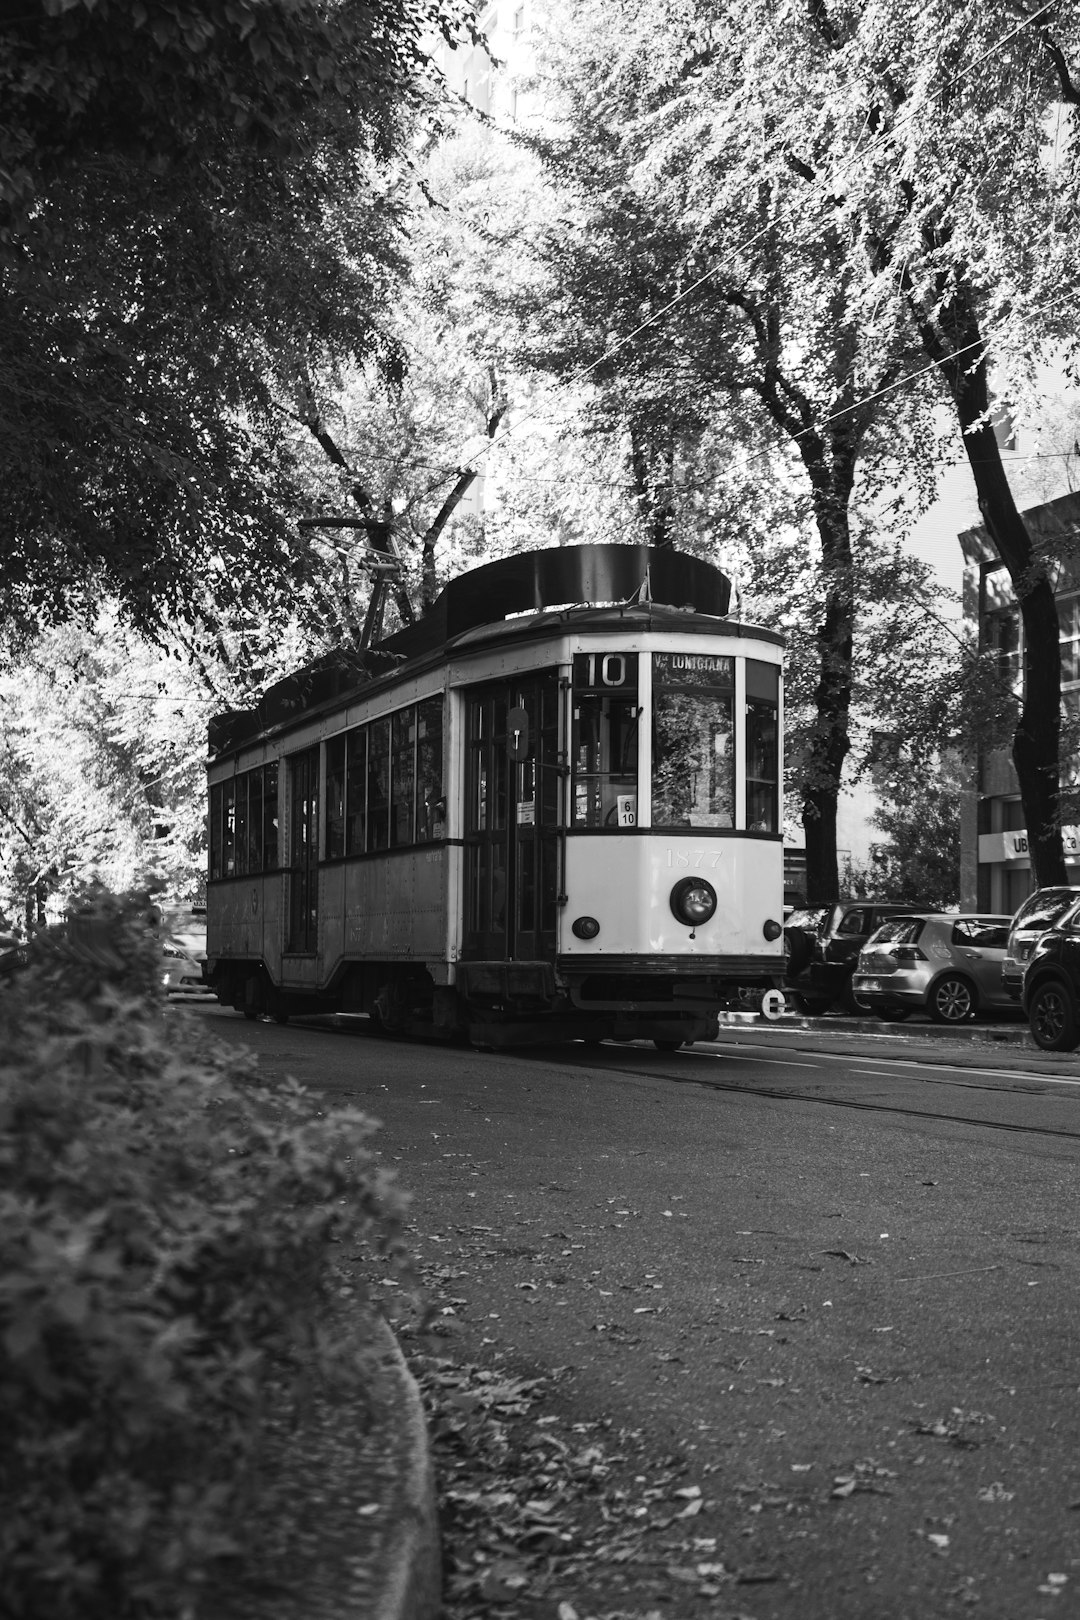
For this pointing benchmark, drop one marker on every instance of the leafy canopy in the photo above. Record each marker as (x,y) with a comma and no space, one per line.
(197,201)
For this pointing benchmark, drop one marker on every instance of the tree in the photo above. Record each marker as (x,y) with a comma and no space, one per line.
(972,224)
(858,188)
(702,305)
(102,767)
(932,157)
(197,201)
(919,814)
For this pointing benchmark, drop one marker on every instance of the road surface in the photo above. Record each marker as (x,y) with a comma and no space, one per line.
(809,1316)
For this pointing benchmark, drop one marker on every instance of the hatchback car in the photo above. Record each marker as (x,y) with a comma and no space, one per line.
(1051,994)
(821,947)
(181,974)
(1039,912)
(940,963)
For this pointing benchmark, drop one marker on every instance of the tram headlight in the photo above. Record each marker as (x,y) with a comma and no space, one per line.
(585,927)
(772,929)
(693,901)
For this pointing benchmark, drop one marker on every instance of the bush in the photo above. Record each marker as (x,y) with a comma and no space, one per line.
(167,1227)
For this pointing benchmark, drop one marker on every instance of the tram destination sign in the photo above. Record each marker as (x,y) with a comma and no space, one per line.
(694,669)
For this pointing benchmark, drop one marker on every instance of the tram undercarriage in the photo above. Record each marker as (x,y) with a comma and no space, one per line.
(504,1004)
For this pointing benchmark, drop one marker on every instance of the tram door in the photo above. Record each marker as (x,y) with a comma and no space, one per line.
(303,851)
(512,819)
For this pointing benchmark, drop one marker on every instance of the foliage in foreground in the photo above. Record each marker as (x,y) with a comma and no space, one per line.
(166,1234)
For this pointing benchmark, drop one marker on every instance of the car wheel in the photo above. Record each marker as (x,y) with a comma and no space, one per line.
(798,949)
(667,1046)
(1052,1016)
(952,1000)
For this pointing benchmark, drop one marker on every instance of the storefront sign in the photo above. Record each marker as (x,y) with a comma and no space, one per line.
(1013,846)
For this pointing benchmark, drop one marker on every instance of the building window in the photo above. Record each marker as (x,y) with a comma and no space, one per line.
(1003,639)
(1069,632)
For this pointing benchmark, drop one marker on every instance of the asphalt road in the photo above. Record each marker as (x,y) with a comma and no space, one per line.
(823,1286)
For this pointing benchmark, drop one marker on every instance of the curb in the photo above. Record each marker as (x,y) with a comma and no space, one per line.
(347,1520)
(1008,1034)
(411,1587)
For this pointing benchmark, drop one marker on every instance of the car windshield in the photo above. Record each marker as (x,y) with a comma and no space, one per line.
(1042,911)
(898,931)
(810,918)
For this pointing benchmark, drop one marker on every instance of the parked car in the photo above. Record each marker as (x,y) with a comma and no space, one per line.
(1051,993)
(942,963)
(181,974)
(822,945)
(1039,912)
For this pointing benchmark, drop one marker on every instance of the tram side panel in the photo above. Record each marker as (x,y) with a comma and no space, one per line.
(393,909)
(244,923)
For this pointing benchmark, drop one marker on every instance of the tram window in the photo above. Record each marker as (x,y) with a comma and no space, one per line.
(762,746)
(254,856)
(378,785)
(243,824)
(693,726)
(430,803)
(403,776)
(605,760)
(356,766)
(335,798)
(240,827)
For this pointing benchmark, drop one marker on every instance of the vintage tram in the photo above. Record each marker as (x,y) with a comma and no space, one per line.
(550,809)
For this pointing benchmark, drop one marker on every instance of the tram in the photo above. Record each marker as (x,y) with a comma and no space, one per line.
(550,809)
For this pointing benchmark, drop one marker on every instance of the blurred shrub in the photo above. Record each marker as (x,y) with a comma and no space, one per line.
(167,1227)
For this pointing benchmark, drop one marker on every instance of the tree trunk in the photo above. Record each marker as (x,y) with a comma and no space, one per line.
(831,469)
(959,351)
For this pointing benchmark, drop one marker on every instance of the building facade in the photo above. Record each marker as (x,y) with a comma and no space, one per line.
(996,873)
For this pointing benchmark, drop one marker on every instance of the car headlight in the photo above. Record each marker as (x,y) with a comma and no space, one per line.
(693,901)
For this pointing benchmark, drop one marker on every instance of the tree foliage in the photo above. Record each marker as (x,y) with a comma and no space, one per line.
(844,192)
(167,1251)
(197,202)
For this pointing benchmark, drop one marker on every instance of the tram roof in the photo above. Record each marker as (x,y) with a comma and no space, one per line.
(598,588)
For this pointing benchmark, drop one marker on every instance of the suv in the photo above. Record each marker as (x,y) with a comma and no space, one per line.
(1039,912)
(1051,994)
(822,945)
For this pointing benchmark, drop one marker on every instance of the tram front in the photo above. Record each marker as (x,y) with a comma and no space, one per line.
(672,891)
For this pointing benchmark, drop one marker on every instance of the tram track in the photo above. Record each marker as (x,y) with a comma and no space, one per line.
(804,1093)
